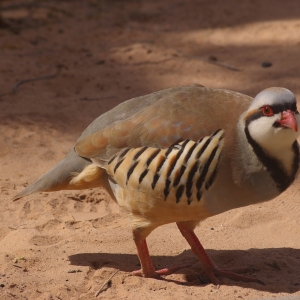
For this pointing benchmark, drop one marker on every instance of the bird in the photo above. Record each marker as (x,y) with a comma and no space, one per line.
(182,155)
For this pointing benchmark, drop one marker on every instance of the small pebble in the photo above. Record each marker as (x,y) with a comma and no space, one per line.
(266,64)
(74,271)
(213,58)
(100,62)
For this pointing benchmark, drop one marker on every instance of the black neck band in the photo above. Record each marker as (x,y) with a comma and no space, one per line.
(276,170)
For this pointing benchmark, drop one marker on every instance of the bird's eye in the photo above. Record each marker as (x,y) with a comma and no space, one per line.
(267,110)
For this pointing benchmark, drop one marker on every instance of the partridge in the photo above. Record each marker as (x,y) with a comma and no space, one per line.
(182,155)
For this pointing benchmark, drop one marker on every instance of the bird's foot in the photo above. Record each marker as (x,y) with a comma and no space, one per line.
(209,267)
(158,273)
(234,274)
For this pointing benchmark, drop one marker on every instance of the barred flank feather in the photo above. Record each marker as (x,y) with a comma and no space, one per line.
(181,172)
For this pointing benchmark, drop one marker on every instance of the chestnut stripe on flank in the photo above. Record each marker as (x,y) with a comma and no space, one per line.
(138,154)
(189,183)
(205,168)
(171,165)
(131,169)
(203,148)
(156,176)
(161,161)
(215,133)
(211,180)
(118,165)
(182,148)
(199,195)
(188,155)
(171,162)
(179,193)
(207,143)
(155,179)
(123,153)
(154,154)
(166,189)
(169,151)
(142,176)
(178,175)
(111,160)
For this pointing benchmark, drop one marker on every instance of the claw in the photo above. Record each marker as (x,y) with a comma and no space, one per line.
(209,267)
(158,273)
(234,274)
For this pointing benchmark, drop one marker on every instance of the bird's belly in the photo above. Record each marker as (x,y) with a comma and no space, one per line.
(159,210)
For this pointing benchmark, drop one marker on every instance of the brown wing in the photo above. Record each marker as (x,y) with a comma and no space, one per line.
(162,119)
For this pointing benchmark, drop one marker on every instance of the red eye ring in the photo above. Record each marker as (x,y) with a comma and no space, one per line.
(267,111)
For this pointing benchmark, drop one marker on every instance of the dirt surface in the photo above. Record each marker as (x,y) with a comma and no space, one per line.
(70,61)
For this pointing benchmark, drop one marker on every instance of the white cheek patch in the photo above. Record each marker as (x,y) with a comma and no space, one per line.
(269,136)
(262,129)
(275,141)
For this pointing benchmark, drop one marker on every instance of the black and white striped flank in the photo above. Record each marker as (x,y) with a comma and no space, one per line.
(179,173)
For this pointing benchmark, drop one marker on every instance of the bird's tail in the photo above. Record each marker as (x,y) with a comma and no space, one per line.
(72,173)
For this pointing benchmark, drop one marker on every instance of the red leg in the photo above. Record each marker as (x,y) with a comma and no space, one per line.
(147,269)
(209,267)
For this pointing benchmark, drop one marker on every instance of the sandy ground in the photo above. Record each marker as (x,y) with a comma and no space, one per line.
(96,54)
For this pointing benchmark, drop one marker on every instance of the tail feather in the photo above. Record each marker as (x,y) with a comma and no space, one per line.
(60,177)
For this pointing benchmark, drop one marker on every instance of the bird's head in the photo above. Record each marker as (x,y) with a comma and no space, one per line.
(272,119)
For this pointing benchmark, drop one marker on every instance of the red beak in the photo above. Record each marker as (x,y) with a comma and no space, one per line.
(288,120)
